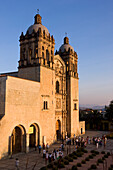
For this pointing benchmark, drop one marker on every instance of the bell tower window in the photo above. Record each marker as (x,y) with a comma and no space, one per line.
(43,57)
(36,52)
(23,54)
(57,87)
(47,56)
(30,54)
(67,66)
(42,54)
(51,59)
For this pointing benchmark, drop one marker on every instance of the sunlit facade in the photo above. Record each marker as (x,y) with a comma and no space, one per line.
(40,102)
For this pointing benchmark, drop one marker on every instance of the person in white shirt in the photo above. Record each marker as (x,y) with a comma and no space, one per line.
(57,154)
(44,153)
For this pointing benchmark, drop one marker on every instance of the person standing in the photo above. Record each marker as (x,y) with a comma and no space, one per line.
(57,154)
(44,153)
(97,141)
(105,140)
(50,157)
(39,149)
(43,145)
(54,154)
(35,146)
(89,140)
(17,163)
(46,159)
(47,147)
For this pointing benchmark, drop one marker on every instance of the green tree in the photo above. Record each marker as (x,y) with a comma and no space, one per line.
(92,118)
(97,117)
(109,111)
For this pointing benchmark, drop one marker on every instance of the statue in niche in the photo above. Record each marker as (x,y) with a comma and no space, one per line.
(58,103)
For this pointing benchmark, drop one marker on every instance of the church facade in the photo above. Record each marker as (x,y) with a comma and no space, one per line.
(40,102)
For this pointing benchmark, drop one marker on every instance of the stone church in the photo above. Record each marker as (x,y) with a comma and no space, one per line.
(40,102)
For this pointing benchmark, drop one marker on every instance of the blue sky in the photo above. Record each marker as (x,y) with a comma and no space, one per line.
(89,26)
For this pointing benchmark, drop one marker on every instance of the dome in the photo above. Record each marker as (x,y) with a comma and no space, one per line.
(36,27)
(66,45)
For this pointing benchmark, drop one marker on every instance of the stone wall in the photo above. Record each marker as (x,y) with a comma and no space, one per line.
(24,106)
(82,125)
(47,93)
(30,73)
(74,111)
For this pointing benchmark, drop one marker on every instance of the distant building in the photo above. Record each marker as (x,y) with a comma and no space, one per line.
(40,102)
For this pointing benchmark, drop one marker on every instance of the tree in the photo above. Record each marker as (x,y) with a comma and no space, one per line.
(109,111)
(92,118)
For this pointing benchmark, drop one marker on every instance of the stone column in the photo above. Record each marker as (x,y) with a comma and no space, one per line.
(36,139)
(27,142)
(21,143)
(10,146)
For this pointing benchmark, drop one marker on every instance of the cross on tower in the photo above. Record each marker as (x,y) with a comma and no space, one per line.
(37,11)
(66,34)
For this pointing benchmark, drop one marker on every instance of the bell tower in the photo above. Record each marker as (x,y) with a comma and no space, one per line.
(36,49)
(70,58)
(37,64)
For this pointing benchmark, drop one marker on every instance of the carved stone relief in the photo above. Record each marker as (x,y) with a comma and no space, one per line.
(58,103)
(58,67)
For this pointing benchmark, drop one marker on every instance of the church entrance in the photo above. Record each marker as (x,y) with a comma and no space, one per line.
(34,135)
(58,129)
(18,139)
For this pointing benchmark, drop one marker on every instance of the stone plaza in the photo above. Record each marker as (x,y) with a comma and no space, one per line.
(33,158)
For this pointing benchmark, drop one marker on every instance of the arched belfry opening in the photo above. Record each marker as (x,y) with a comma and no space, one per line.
(58,129)
(30,55)
(57,86)
(18,140)
(34,135)
(47,56)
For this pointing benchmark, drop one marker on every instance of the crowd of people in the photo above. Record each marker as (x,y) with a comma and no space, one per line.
(77,141)
(99,141)
(51,156)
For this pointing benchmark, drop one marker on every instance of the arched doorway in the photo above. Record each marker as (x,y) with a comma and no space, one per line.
(34,135)
(58,129)
(18,139)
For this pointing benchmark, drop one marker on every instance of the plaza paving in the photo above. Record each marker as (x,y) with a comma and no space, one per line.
(34,159)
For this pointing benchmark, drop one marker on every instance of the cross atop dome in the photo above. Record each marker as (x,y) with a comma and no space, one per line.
(37,11)
(66,34)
